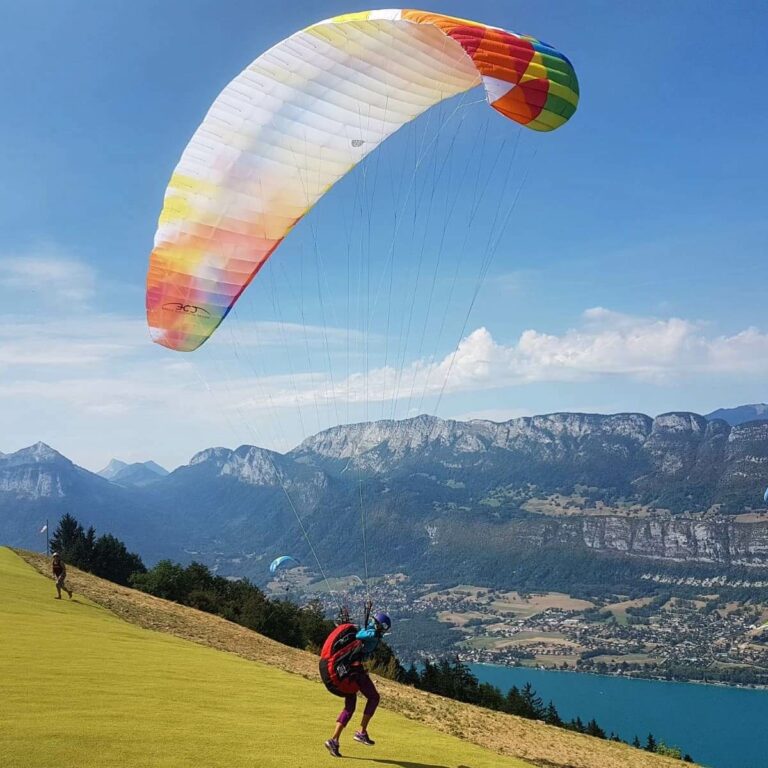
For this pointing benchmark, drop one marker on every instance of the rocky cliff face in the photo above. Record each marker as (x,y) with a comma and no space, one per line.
(679,461)
(261,468)
(380,446)
(37,472)
(718,541)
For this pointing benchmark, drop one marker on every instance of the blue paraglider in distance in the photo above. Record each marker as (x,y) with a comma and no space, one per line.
(765,496)
(278,561)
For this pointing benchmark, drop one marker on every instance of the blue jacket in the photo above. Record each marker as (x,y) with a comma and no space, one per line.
(370,639)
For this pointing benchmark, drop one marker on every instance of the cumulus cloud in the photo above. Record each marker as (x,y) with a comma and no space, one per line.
(605,343)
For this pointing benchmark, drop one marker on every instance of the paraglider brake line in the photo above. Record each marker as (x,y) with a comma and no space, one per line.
(306,535)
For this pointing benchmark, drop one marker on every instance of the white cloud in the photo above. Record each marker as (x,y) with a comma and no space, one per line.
(68,342)
(272,334)
(612,343)
(605,343)
(89,338)
(48,275)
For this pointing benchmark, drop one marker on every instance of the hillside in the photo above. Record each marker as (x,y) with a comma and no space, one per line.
(145,681)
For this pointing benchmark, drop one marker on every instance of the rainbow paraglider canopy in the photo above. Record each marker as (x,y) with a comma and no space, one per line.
(301,116)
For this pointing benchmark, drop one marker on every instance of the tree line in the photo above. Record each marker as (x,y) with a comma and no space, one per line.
(106,556)
(455,680)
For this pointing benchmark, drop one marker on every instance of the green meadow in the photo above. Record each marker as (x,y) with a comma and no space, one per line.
(83,689)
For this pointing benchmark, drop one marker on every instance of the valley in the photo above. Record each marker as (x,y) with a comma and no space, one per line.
(704,637)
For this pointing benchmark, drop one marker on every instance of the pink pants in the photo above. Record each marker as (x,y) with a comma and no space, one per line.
(368,689)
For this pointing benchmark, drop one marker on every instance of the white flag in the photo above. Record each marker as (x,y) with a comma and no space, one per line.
(44,528)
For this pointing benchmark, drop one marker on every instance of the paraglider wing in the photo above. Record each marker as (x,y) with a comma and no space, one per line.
(765,496)
(282,561)
(302,115)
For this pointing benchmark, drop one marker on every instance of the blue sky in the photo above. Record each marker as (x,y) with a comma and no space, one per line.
(629,277)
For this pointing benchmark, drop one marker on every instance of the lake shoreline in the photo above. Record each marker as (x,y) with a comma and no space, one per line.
(713,683)
(719,725)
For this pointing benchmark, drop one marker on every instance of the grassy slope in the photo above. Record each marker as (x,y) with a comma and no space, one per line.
(83,688)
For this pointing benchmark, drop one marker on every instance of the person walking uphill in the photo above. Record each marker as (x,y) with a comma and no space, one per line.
(342,671)
(60,575)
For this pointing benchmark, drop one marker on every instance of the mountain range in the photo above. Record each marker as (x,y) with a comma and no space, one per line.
(443,498)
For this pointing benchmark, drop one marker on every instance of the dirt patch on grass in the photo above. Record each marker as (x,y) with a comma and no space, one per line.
(530,740)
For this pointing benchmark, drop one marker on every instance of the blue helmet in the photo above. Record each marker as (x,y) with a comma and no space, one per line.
(382,620)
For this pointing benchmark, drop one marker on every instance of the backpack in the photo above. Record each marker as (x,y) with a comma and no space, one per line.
(340,659)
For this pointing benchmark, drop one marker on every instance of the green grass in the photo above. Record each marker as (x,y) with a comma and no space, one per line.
(83,689)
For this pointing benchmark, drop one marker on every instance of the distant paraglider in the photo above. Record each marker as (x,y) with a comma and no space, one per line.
(765,496)
(284,561)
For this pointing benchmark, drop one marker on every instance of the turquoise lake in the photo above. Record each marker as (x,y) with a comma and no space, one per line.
(720,727)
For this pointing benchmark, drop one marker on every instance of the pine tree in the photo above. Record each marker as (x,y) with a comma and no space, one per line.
(66,537)
(429,677)
(650,743)
(513,703)
(491,697)
(593,729)
(111,560)
(82,551)
(411,675)
(532,703)
(636,742)
(552,716)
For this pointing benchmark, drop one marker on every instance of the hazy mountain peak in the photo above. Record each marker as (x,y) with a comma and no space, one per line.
(155,467)
(35,472)
(248,464)
(38,453)
(139,473)
(111,470)
(211,454)
(740,414)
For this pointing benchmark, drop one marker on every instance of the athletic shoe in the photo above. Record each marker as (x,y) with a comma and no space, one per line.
(362,737)
(333,747)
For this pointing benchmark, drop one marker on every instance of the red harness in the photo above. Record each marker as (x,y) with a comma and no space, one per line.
(340,660)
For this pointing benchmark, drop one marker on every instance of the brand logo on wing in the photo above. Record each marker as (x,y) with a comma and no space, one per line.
(187,309)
